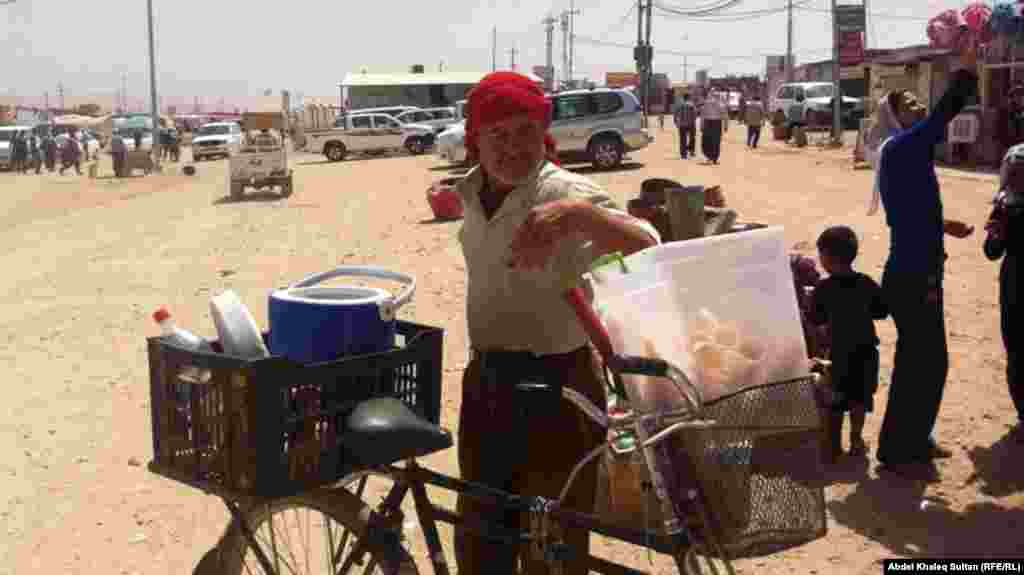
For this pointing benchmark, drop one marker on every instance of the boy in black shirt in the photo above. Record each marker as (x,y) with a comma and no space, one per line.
(847,303)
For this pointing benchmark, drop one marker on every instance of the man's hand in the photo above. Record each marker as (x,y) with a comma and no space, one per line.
(543,228)
(957,229)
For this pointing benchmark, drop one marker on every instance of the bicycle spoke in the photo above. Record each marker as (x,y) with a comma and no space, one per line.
(308,568)
(273,543)
(330,543)
(262,540)
(359,494)
(288,547)
(352,559)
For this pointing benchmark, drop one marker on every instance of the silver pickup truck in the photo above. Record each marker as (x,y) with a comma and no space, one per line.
(368,134)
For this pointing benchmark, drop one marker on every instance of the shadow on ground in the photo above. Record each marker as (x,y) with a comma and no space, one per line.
(434,221)
(993,470)
(895,513)
(260,196)
(585,169)
(355,158)
(847,470)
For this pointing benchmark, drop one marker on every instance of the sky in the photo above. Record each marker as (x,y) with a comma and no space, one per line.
(216,48)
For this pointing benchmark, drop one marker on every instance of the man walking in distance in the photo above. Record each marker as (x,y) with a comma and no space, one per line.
(686,121)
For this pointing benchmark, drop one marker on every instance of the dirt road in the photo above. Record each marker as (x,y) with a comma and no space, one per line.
(86,262)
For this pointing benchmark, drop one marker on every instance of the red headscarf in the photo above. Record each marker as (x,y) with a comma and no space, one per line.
(500,95)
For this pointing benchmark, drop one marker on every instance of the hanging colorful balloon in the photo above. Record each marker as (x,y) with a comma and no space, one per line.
(978,18)
(944,29)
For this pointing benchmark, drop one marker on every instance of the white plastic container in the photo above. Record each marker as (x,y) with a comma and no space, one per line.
(722,309)
(188,340)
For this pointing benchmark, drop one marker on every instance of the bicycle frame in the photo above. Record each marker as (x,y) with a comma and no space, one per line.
(413,477)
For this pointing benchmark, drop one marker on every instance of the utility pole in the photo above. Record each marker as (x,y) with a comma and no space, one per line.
(46,102)
(494,49)
(649,58)
(639,55)
(124,93)
(837,98)
(572,13)
(512,52)
(155,105)
(789,41)
(564,19)
(549,76)
(60,94)
(867,15)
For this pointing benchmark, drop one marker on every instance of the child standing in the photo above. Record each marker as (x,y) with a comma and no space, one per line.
(847,302)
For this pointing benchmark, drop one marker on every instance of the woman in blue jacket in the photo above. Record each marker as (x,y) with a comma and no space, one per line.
(912,280)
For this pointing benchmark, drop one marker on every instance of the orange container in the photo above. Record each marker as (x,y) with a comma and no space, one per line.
(444,200)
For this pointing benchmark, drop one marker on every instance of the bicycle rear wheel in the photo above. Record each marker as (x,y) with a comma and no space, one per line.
(307,534)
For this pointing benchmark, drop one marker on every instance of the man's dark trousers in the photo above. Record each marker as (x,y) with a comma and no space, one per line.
(687,140)
(919,371)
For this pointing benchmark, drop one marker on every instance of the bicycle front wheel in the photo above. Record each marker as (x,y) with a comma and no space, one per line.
(307,534)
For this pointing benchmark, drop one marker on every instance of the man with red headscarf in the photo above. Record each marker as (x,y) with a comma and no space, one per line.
(528,225)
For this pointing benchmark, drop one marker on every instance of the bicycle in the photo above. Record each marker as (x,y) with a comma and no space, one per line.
(381,432)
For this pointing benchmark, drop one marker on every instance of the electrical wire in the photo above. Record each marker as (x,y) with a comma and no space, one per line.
(615,27)
(715,4)
(881,15)
(731,16)
(740,57)
(704,11)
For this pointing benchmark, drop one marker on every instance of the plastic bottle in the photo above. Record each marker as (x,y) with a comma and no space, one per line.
(188,340)
(177,335)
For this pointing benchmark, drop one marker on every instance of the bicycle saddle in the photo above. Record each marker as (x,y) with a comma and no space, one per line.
(384,430)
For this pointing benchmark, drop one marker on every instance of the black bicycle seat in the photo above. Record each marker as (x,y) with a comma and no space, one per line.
(384,430)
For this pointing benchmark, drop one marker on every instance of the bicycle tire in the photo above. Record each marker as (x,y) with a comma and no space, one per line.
(233,556)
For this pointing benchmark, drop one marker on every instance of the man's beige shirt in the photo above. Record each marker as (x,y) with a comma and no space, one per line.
(523,310)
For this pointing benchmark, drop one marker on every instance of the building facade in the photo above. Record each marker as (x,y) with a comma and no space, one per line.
(427,90)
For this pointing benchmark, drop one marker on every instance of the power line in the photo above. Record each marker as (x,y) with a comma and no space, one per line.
(729,16)
(615,27)
(702,11)
(757,56)
(881,15)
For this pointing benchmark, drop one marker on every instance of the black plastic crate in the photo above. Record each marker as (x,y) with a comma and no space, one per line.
(271,427)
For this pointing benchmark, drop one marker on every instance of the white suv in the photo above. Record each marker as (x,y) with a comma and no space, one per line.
(598,126)
(216,139)
(437,118)
(816,101)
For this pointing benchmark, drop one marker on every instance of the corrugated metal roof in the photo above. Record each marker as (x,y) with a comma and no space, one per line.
(360,79)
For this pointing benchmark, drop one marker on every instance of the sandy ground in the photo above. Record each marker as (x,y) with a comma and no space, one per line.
(87,261)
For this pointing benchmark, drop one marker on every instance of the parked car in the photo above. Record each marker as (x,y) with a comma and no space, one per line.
(438,118)
(815,98)
(6,137)
(733,104)
(450,144)
(128,137)
(392,111)
(598,126)
(369,134)
(216,139)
